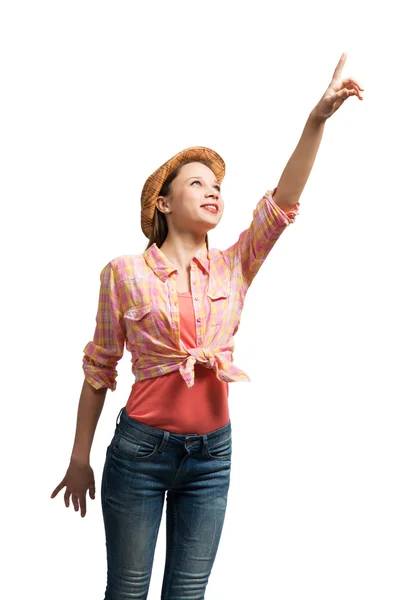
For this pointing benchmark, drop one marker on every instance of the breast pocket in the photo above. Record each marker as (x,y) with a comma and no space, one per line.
(141,325)
(218,298)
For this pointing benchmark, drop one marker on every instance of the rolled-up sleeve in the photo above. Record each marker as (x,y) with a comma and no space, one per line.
(256,242)
(102,354)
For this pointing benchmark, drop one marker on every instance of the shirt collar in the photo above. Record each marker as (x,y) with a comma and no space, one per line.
(159,263)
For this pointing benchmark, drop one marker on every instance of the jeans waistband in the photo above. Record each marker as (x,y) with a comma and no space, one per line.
(124,422)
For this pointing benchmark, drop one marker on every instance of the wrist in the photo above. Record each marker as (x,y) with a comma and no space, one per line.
(80,458)
(316,119)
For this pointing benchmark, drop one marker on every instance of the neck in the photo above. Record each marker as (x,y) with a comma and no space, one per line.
(181,252)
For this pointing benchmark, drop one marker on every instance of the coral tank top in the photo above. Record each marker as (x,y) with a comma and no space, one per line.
(167,403)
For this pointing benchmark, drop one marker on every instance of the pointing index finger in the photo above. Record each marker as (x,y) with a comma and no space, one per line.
(339,67)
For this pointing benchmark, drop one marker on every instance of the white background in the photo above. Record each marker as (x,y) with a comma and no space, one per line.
(95,96)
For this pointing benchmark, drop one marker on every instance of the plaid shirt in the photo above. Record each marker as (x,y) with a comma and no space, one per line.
(138,306)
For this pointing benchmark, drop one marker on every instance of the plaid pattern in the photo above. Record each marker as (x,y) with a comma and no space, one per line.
(138,306)
(152,187)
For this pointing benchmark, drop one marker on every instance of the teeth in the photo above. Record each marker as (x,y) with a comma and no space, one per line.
(210,206)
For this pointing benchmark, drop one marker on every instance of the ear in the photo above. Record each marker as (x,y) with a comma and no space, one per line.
(163,204)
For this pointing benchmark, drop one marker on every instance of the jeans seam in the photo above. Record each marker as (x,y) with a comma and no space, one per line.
(171,562)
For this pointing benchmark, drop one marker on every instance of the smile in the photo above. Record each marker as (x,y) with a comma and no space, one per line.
(210,209)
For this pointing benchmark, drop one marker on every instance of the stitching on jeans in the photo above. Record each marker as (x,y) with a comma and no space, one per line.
(174,534)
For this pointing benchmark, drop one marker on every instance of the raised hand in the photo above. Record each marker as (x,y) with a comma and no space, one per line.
(338,91)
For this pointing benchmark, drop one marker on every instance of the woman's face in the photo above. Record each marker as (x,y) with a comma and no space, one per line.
(194,187)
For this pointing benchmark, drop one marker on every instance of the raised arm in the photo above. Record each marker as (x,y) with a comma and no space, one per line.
(298,168)
(279,207)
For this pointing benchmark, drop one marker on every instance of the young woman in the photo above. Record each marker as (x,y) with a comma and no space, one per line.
(177,307)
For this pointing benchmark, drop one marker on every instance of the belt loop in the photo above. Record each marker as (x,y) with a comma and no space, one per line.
(205,443)
(164,441)
(119,414)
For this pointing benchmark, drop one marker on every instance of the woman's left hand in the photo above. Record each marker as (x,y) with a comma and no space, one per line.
(338,91)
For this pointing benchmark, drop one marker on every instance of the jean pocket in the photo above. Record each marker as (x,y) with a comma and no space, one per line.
(220,450)
(133,448)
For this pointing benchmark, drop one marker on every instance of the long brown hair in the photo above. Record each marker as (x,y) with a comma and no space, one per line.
(160,226)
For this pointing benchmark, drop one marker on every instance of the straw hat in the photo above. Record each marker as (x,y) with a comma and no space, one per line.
(152,187)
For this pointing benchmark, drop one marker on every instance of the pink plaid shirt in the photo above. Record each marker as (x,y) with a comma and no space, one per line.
(138,306)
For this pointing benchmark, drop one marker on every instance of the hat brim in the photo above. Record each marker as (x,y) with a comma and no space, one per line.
(152,187)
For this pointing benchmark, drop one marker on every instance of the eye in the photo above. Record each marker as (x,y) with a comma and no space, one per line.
(217,187)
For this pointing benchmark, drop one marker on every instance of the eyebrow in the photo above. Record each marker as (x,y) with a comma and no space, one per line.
(200,177)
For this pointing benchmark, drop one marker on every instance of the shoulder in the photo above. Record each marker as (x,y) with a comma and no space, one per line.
(126,266)
(219,258)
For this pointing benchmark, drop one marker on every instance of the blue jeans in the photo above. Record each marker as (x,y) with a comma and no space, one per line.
(142,463)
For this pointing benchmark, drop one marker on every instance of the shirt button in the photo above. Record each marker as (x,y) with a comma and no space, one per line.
(200,341)
(198,319)
(196,298)
(194,283)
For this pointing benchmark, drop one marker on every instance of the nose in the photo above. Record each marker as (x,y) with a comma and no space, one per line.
(214,193)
